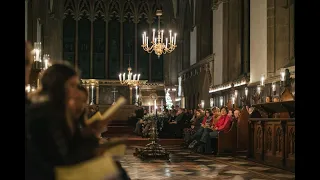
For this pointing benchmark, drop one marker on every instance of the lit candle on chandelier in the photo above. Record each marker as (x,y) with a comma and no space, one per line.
(233,100)
(153,34)
(120,77)
(161,36)
(175,38)
(138,77)
(262,80)
(170,32)
(282,73)
(124,76)
(134,77)
(147,41)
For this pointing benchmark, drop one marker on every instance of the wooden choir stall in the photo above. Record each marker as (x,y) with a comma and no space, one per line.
(272,133)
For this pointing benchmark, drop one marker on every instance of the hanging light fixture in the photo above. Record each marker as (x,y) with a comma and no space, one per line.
(130,79)
(158,45)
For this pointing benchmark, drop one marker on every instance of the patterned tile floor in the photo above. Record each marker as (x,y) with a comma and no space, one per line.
(185,165)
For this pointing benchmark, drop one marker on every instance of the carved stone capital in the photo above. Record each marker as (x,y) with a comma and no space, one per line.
(216,3)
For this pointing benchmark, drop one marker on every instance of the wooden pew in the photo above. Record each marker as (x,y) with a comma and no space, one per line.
(226,142)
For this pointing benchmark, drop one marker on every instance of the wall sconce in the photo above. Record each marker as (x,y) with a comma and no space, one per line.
(211,102)
(262,80)
(202,103)
(221,101)
(259,89)
(282,75)
(246,91)
(274,88)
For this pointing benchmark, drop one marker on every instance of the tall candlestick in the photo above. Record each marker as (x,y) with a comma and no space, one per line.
(149,108)
(155,104)
(119,77)
(92,87)
(153,34)
(166,42)
(123,76)
(175,38)
(170,32)
(147,41)
(138,77)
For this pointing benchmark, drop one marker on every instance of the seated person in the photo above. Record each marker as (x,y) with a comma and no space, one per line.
(196,124)
(204,129)
(223,125)
(176,126)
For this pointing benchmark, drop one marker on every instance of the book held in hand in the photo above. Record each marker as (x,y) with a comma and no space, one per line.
(108,113)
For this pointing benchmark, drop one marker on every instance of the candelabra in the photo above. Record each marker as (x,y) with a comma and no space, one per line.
(157,44)
(130,80)
(153,149)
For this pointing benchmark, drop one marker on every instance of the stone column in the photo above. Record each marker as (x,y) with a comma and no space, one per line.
(258,39)
(218,43)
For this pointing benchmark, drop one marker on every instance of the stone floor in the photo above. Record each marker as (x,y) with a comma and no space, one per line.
(185,165)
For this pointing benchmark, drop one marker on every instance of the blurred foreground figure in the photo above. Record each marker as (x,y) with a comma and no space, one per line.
(55,137)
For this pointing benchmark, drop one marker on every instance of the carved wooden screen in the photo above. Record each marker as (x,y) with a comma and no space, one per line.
(157,62)
(99,41)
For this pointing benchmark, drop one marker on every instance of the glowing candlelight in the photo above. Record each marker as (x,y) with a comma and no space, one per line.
(273,87)
(202,103)
(262,80)
(246,91)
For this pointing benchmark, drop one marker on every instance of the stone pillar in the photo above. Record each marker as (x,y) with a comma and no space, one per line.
(258,39)
(218,43)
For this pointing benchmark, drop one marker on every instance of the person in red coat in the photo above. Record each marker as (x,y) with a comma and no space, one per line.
(223,125)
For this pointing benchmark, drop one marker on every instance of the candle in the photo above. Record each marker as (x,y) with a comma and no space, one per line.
(246,91)
(147,41)
(155,104)
(211,102)
(153,34)
(28,88)
(120,77)
(134,77)
(123,76)
(143,39)
(282,73)
(202,103)
(149,107)
(236,93)
(221,101)
(258,89)
(166,42)
(161,36)
(92,87)
(273,87)
(170,32)
(233,100)
(262,80)
(138,77)
(175,38)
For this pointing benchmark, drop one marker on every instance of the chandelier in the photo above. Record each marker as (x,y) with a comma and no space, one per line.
(157,45)
(129,80)
(40,62)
